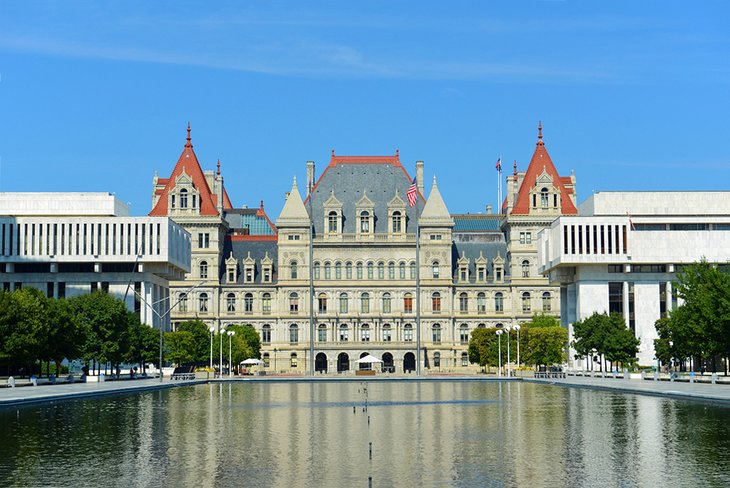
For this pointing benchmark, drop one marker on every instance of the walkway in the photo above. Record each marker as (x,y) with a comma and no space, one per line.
(676,389)
(49,393)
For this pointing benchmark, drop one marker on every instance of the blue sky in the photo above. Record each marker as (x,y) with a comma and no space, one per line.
(96,96)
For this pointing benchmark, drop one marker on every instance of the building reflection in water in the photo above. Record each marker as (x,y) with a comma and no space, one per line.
(431,433)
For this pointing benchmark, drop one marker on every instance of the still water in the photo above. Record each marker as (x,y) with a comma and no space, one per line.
(431,433)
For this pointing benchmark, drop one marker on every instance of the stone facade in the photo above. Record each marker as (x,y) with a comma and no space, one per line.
(353,232)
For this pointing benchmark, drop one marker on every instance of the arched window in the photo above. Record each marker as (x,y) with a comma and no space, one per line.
(231,302)
(267,360)
(435,269)
(437,360)
(327,271)
(387,333)
(203,269)
(381,270)
(464,334)
(463,302)
(183,302)
(371,267)
(183,198)
(397,222)
(413,270)
(464,359)
(526,307)
(293,302)
(332,222)
(338,270)
(481,302)
(408,333)
(365,333)
(525,268)
(365,303)
(386,302)
(322,303)
(266,334)
(482,326)
(316,269)
(293,268)
(293,333)
(544,198)
(359,271)
(343,302)
(402,270)
(498,302)
(266,303)
(203,302)
(248,302)
(391,270)
(322,333)
(436,302)
(344,333)
(546,305)
(348,270)
(365,222)
(436,333)
(293,362)
(407,303)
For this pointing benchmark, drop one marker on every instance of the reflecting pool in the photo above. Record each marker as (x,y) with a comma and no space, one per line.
(430,433)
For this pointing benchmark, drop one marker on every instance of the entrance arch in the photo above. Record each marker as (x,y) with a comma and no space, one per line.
(320,363)
(388,362)
(409,362)
(343,362)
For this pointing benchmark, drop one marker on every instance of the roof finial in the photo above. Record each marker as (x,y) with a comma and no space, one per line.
(539,133)
(396,152)
(188,143)
(219,167)
(514,170)
(262,205)
(333,152)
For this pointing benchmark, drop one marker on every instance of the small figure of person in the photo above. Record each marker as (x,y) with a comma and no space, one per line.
(85,370)
(131,373)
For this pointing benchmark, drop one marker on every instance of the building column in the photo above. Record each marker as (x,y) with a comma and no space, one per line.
(625,297)
(668,297)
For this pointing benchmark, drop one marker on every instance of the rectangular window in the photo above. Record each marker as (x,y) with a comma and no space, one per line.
(616,297)
(386,335)
(408,305)
(203,240)
(615,268)
(365,334)
(322,334)
(663,300)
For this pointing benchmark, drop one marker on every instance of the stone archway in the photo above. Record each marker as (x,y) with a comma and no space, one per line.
(388,364)
(409,362)
(320,362)
(343,362)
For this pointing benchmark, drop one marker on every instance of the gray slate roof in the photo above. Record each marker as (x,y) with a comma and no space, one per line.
(471,250)
(258,250)
(350,181)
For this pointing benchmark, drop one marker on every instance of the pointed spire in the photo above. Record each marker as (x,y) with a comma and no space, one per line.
(294,214)
(219,167)
(188,143)
(435,212)
(539,134)
(396,152)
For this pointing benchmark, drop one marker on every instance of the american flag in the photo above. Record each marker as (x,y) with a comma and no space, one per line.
(499,165)
(412,193)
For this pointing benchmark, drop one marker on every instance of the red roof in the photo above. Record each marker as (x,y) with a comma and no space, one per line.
(189,164)
(541,161)
(335,160)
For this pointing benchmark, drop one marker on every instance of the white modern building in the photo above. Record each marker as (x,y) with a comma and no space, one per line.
(67,244)
(623,250)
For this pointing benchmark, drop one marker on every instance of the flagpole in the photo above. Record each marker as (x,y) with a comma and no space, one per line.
(311,282)
(418,288)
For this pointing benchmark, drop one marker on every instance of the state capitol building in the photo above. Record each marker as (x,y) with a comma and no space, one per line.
(335,275)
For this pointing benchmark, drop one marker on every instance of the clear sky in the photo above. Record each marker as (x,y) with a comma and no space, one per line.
(96,96)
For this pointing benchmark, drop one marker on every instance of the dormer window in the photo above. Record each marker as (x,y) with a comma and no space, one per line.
(397,224)
(544,198)
(183,198)
(332,220)
(364,222)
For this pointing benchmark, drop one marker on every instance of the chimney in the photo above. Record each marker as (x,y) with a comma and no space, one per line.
(489,209)
(419,176)
(310,176)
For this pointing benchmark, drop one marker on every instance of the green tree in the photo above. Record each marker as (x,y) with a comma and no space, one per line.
(246,343)
(620,343)
(104,321)
(24,325)
(144,343)
(201,338)
(545,341)
(483,347)
(65,335)
(607,336)
(179,346)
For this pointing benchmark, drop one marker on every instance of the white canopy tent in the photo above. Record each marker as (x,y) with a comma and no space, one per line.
(251,362)
(369,360)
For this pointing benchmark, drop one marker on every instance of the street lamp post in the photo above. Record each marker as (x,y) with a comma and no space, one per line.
(499,341)
(231,333)
(221,332)
(509,358)
(517,328)
(212,331)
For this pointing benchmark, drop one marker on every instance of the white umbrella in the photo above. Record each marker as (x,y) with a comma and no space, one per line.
(251,361)
(369,359)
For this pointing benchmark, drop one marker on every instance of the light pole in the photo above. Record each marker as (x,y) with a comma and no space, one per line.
(499,341)
(212,330)
(231,333)
(517,328)
(509,358)
(220,351)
